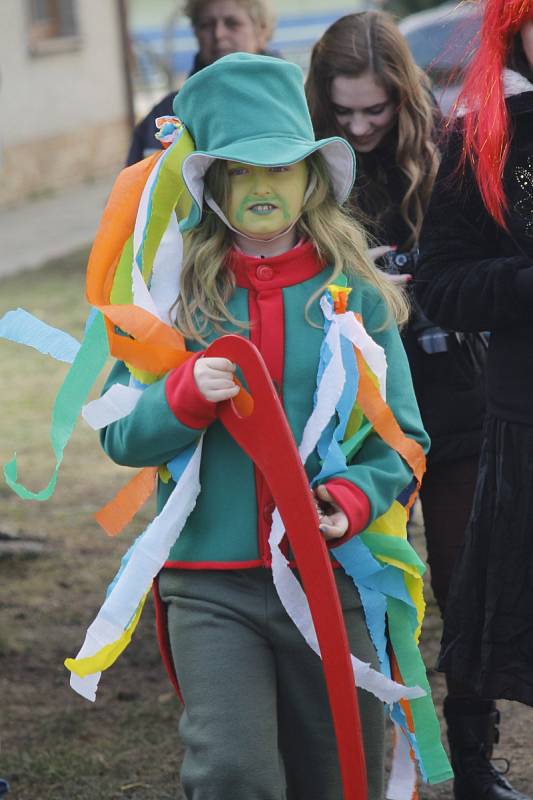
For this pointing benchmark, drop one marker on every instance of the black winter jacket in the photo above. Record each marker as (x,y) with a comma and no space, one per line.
(475,276)
(449,385)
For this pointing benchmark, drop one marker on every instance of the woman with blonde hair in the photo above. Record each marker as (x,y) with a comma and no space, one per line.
(220,27)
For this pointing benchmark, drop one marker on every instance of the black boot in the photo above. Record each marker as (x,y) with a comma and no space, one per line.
(472,733)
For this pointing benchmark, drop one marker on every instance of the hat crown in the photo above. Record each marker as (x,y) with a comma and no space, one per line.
(252,109)
(243,97)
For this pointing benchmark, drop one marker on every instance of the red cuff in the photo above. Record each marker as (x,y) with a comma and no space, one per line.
(185,401)
(354,502)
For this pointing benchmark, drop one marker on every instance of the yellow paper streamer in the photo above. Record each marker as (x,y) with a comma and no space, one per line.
(107,655)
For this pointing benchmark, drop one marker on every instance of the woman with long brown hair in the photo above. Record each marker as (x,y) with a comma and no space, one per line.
(363,84)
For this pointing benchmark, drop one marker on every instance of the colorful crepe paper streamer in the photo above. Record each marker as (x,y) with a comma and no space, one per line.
(87,362)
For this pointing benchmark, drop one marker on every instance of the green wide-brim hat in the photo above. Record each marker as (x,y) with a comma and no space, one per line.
(252,109)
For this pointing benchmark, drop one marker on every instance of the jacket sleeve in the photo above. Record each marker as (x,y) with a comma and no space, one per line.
(464,280)
(153,433)
(376,469)
(136,150)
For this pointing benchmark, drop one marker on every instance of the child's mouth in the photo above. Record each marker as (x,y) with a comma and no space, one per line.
(262,208)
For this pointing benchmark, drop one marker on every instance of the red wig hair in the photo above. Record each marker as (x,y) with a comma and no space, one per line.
(486,124)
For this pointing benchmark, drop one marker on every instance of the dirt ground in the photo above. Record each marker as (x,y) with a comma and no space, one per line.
(55,564)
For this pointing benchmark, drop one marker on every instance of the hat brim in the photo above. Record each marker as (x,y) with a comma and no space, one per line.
(338,155)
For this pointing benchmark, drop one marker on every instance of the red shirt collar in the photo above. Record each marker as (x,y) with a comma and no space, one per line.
(295,266)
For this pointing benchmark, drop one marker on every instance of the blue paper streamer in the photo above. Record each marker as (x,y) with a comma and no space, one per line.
(177,466)
(87,364)
(329,445)
(23,328)
(375,581)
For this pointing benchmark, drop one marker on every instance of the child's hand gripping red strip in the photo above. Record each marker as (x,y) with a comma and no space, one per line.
(265,436)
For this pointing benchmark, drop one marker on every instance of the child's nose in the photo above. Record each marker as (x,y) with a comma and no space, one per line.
(262,184)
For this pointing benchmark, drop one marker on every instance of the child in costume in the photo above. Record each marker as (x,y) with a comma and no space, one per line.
(259,255)
(274,272)
(476,274)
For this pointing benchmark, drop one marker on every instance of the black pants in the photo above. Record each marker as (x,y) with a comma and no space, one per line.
(447,495)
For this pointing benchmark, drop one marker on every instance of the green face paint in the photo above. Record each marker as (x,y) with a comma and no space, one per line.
(262,209)
(265,201)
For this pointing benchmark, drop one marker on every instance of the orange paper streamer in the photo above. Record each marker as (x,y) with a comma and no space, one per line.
(115,515)
(382,420)
(116,226)
(149,344)
(155,346)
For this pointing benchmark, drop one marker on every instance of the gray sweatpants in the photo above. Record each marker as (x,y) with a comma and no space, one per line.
(256,723)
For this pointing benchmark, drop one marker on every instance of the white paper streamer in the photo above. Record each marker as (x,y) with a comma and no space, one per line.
(295,603)
(151,551)
(328,394)
(144,204)
(288,587)
(354,331)
(147,559)
(402,778)
(141,294)
(165,282)
(116,403)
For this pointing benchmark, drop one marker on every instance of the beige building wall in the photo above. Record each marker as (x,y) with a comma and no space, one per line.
(63,114)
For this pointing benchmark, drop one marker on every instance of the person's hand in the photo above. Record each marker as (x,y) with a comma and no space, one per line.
(377,252)
(214,378)
(333,521)
(399,280)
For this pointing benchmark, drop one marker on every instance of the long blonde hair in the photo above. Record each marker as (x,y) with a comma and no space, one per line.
(370,42)
(206,283)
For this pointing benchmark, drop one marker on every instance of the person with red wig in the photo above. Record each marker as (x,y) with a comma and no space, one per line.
(476,274)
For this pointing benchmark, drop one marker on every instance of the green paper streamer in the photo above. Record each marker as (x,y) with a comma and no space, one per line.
(394,547)
(352,445)
(121,291)
(87,365)
(168,193)
(427,729)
